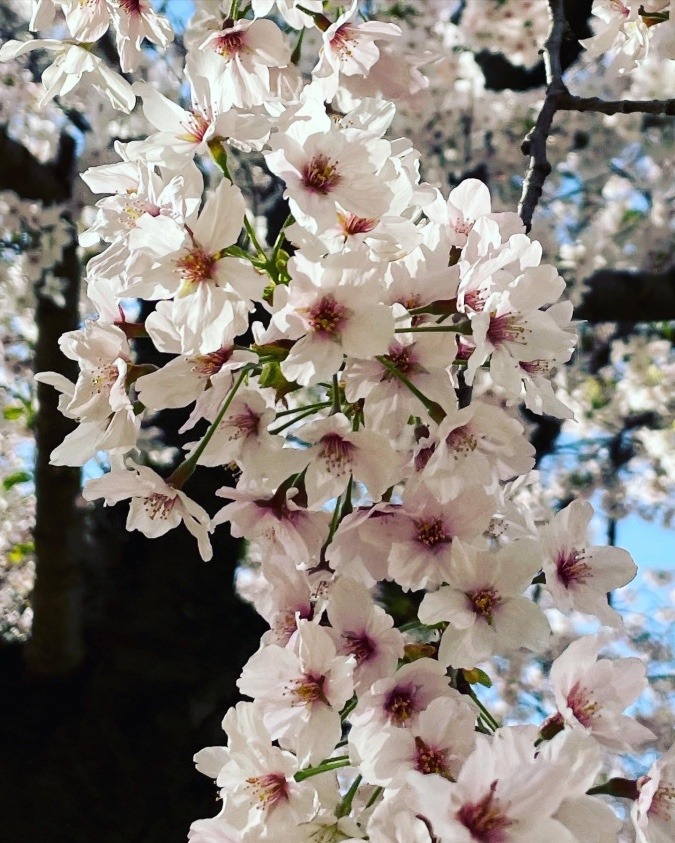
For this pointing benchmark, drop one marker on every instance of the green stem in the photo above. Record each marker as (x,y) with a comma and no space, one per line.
(346,805)
(185,470)
(489,719)
(318,406)
(308,412)
(281,236)
(297,51)
(375,795)
(336,407)
(254,240)
(435,410)
(625,788)
(349,707)
(326,767)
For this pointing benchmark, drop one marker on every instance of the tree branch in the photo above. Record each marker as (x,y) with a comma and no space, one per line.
(624,296)
(56,644)
(558,98)
(534,144)
(568,102)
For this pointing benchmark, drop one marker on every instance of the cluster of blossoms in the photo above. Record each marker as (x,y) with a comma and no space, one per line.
(365,428)
(628,30)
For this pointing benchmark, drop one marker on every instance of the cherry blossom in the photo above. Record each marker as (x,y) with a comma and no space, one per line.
(653,812)
(156,507)
(591,694)
(302,688)
(577,576)
(484,604)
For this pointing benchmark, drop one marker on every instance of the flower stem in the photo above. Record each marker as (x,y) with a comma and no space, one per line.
(462,328)
(185,470)
(254,240)
(435,410)
(625,788)
(325,767)
(346,805)
(306,411)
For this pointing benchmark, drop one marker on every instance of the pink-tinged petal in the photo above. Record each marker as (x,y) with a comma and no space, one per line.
(521,622)
(221,219)
(472,198)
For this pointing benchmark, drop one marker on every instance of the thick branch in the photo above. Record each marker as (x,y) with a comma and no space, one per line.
(623,296)
(56,645)
(22,173)
(568,102)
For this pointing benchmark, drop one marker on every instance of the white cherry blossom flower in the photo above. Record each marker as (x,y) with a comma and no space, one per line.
(256,780)
(70,65)
(290,10)
(423,530)
(476,444)
(578,577)
(99,399)
(247,49)
(591,694)
(365,631)
(338,452)
(156,507)
(349,48)
(331,170)
(275,522)
(484,604)
(437,744)
(331,309)
(399,700)
(653,813)
(503,794)
(301,689)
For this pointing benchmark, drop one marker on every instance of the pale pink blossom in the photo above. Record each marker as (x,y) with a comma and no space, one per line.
(591,694)
(365,631)
(338,453)
(578,577)
(437,744)
(67,70)
(504,793)
(256,780)
(301,689)
(247,49)
(484,604)
(331,309)
(423,530)
(156,507)
(275,522)
(653,813)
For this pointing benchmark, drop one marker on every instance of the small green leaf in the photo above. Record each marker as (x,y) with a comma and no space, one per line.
(13,413)
(15,478)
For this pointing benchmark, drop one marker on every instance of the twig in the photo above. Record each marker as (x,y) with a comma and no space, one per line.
(568,102)
(534,144)
(558,98)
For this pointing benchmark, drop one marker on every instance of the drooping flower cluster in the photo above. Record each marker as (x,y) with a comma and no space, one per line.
(364,461)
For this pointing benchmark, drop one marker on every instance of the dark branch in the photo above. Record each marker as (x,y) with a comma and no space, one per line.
(29,178)
(568,102)
(534,144)
(624,296)
(558,98)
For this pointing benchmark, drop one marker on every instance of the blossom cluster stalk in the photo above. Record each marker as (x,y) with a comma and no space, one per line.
(373,424)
